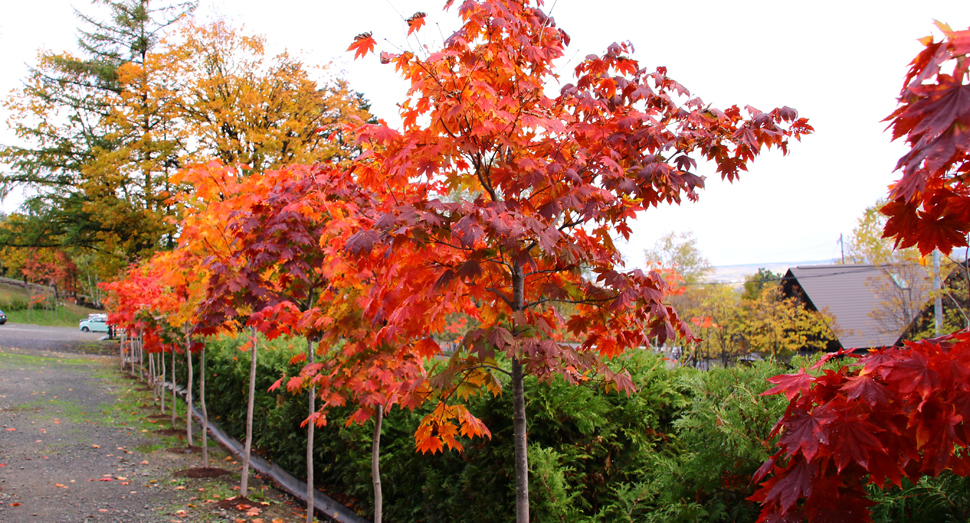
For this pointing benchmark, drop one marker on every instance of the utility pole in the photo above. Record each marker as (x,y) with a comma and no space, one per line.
(842,247)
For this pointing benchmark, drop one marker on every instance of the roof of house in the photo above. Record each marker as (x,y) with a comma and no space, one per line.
(849,294)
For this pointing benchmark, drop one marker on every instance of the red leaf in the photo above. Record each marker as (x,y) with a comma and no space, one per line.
(867,389)
(795,483)
(805,431)
(853,439)
(790,384)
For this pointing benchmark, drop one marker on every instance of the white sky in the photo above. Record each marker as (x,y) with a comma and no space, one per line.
(839,63)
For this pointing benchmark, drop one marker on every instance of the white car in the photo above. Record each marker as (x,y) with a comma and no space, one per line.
(95,323)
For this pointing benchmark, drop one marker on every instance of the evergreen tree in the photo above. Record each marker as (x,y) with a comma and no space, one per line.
(89,187)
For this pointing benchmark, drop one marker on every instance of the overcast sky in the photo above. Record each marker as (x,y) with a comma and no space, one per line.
(839,63)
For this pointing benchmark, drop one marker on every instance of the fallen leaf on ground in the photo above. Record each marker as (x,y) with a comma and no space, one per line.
(106,479)
(59,485)
(96,446)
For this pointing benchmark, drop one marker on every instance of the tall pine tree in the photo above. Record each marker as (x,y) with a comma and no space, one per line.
(96,149)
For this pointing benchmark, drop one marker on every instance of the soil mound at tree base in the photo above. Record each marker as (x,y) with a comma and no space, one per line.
(238,503)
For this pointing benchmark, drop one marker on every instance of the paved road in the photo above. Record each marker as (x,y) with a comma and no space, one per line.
(77,443)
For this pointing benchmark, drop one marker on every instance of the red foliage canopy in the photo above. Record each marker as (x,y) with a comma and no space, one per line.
(894,413)
(930,204)
(510,196)
(897,412)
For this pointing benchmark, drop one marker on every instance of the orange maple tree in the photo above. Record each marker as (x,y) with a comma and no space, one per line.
(896,412)
(509,197)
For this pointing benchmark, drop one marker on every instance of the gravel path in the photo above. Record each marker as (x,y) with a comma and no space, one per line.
(77,443)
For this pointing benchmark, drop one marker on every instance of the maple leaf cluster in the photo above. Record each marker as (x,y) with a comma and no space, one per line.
(500,202)
(897,412)
(929,205)
(893,414)
(495,203)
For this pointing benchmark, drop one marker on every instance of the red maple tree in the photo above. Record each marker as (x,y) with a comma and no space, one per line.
(897,412)
(509,198)
(929,206)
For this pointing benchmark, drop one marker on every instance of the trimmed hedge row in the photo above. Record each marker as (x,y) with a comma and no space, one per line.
(683,448)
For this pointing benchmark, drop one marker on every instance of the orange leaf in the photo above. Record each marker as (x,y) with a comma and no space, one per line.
(416,22)
(363,44)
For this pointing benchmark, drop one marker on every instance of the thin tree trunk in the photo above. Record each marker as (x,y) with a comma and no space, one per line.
(521,444)
(152,381)
(244,487)
(518,410)
(205,413)
(188,393)
(375,466)
(174,401)
(121,347)
(163,380)
(141,361)
(310,353)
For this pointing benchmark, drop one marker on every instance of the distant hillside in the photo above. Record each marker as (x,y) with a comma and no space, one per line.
(15,300)
(736,273)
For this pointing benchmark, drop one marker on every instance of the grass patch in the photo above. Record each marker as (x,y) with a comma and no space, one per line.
(150,448)
(15,301)
(31,360)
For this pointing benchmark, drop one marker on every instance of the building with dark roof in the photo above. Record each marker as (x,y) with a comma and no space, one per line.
(872,305)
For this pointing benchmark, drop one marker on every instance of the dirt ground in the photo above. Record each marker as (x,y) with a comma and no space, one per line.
(79,442)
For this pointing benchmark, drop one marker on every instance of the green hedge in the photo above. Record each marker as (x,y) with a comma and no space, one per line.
(681,449)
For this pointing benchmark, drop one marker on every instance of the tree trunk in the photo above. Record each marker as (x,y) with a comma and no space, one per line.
(163,380)
(521,444)
(152,381)
(310,353)
(174,399)
(518,409)
(188,393)
(121,346)
(141,361)
(244,486)
(375,465)
(205,413)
